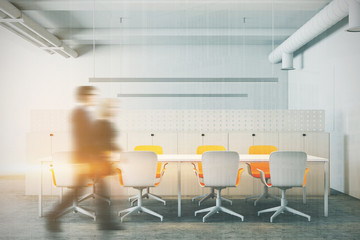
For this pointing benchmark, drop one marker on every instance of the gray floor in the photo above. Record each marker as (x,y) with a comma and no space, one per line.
(19,219)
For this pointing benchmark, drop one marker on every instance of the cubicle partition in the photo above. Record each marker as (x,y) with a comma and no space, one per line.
(183,131)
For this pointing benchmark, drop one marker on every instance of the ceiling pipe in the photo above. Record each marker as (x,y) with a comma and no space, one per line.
(354,16)
(326,18)
(287,61)
(33,32)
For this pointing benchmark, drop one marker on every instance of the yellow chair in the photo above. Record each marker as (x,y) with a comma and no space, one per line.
(253,170)
(158,150)
(199,172)
(263,166)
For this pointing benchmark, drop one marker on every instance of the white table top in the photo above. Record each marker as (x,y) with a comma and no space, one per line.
(243,158)
(197,158)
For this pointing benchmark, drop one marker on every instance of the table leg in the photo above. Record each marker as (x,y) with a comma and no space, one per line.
(61,194)
(326,189)
(179,189)
(41,191)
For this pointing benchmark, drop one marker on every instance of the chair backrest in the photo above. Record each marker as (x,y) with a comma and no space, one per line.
(205,148)
(152,148)
(287,168)
(138,168)
(66,173)
(261,149)
(220,168)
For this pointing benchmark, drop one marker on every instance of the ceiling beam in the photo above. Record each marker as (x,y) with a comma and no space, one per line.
(176,5)
(117,33)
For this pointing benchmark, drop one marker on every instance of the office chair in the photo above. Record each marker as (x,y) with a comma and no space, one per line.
(72,176)
(199,172)
(287,170)
(264,166)
(220,170)
(93,194)
(137,169)
(147,194)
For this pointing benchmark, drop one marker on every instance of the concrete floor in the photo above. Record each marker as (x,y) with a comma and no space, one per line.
(19,219)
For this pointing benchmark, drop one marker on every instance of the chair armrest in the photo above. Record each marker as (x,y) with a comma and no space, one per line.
(249,168)
(195,171)
(160,174)
(238,176)
(120,176)
(163,169)
(197,174)
(51,168)
(306,172)
(200,181)
(262,178)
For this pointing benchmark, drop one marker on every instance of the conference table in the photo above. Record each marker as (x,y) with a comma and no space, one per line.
(189,158)
(245,158)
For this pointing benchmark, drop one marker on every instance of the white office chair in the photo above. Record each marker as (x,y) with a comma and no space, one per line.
(158,150)
(93,194)
(73,176)
(199,173)
(220,170)
(287,170)
(138,170)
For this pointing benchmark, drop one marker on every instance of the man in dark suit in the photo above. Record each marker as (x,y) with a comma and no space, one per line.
(82,123)
(82,120)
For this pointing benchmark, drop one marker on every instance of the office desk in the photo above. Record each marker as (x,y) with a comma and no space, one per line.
(246,158)
(188,158)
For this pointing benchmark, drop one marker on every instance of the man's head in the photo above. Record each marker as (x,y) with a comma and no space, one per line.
(86,95)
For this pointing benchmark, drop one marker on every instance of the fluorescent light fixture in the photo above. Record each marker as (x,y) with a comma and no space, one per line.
(136,95)
(10,20)
(187,80)
(14,20)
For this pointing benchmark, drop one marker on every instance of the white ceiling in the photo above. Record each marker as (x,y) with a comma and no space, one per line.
(78,22)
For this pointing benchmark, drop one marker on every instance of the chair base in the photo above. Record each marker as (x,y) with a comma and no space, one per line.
(212,194)
(139,208)
(282,208)
(75,208)
(263,195)
(218,208)
(147,195)
(95,195)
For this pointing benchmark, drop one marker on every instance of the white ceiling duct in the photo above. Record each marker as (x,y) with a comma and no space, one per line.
(354,17)
(14,20)
(287,61)
(326,18)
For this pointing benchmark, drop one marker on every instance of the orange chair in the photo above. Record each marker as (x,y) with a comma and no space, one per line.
(199,172)
(253,171)
(264,166)
(158,150)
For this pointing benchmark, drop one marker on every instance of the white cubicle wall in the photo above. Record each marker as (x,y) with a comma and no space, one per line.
(41,144)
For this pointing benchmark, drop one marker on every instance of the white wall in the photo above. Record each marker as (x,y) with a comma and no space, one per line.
(194,61)
(32,79)
(327,76)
